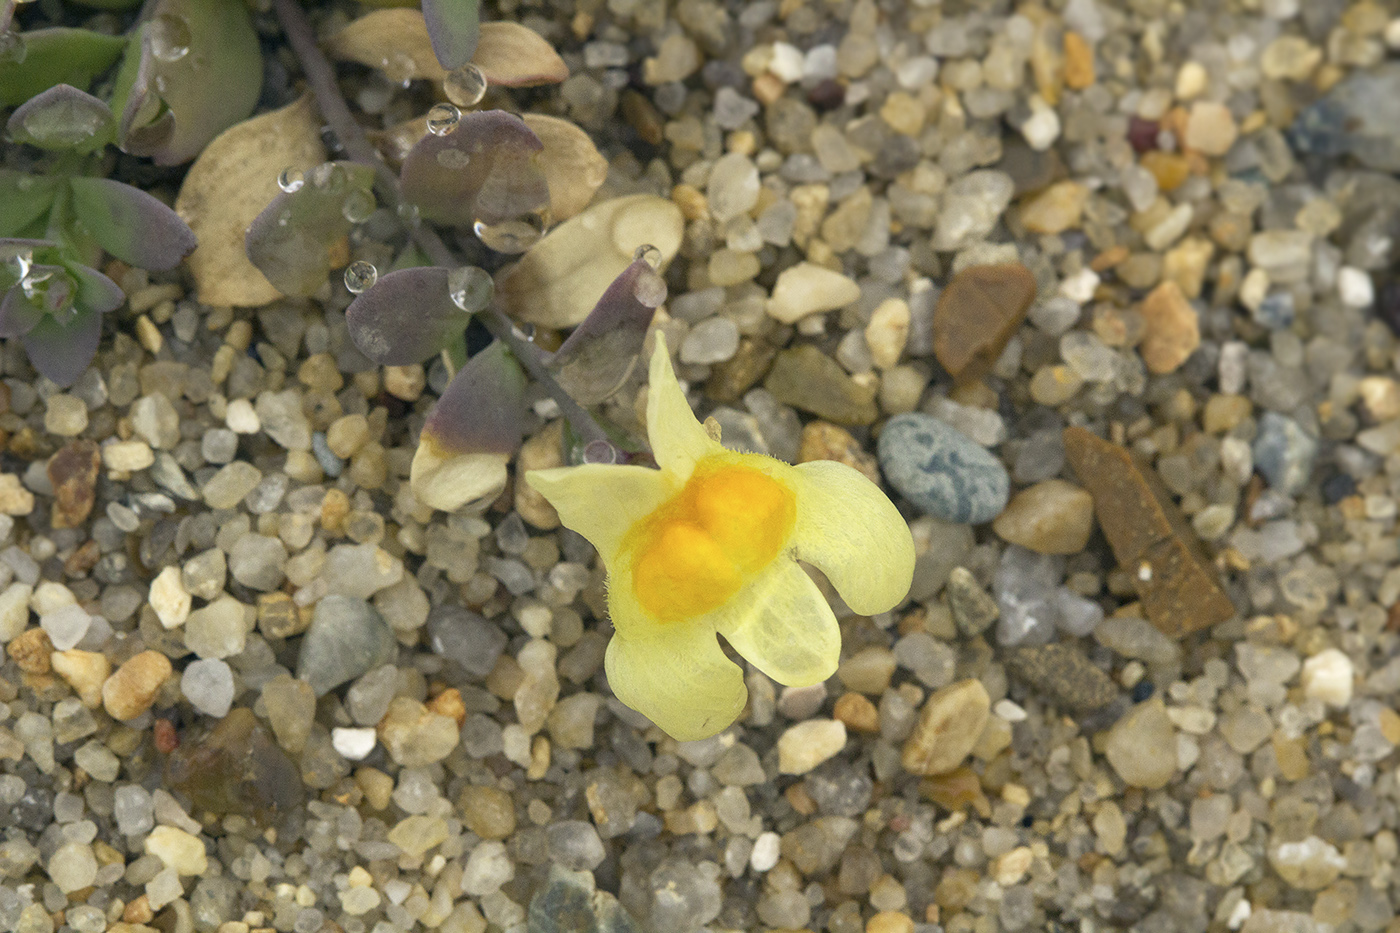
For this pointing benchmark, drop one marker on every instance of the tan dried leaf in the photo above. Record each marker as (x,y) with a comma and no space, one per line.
(512,55)
(572,165)
(394,41)
(230,183)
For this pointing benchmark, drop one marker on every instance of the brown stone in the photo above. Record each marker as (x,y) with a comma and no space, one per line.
(823,441)
(948,728)
(1173,331)
(1063,673)
(132,689)
(30,650)
(957,789)
(731,379)
(1179,588)
(73,473)
(1079,61)
(856,712)
(806,378)
(977,314)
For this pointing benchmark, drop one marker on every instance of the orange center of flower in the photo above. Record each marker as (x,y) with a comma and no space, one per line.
(696,551)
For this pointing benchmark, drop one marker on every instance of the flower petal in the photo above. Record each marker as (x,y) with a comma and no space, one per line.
(603,501)
(849,530)
(677,438)
(782,625)
(678,677)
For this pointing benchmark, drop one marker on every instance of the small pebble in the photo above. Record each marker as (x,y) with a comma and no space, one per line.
(948,728)
(1051,517)
(804,746)
(806,289)
(976,315)
(132,689)
(1141,746)
(347,637)
(1328,676)
(942,471)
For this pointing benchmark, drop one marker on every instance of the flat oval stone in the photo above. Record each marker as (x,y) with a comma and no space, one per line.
(942,471)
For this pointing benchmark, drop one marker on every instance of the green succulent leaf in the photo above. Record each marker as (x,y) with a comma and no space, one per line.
(57,56)
(406,317)
(454,26)
(601,352)
(64,118)
(24,198)
(131,224)
(192,70)
(96,291)
(487,169)
(290,241)
(62,351)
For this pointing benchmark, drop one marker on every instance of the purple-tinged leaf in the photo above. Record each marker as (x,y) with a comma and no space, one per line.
(291,241)
(96,292)
(51,288)
(454,26)
(599,355)
(487,170)
(63,117)
(483,407)
(18,315)
(57,56)
(61,352)
(24,198)
(406,317)
(130,224)
(193,70)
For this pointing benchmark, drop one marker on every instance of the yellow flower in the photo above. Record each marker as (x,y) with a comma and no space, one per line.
(709,544)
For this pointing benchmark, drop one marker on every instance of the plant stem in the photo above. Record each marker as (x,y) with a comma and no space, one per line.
(320,75)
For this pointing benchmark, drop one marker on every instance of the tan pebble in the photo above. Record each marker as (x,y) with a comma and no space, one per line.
(1056,209)
(128,456)
(85,671)
(347,435)
(31,650)
(14,498)
(949,726)
(890,921)
(540,452)
(691,200)
(903,112)
(487,811)
(405,382)
(804,746)
(1051,517)
(1381,396)
(377,786)
(822,440)
(137,910)
(888,331)
(414,735)
(806,289)
(1054,385)
(1141,746)
(132,689)
(1291,58)
(1224,412)
(1210,128)
(449,703)
(1292,756)
(178,850)
(858,713)
(1186,264)
(868,670)
(1010,868)
(1173,328)
(1079,61)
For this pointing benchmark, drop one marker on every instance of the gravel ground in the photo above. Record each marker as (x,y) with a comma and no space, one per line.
(1099,292)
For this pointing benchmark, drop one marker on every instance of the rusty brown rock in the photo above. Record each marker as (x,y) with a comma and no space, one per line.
(30,650)
(1179,588)
(977,314)
(823,441)
(73,473)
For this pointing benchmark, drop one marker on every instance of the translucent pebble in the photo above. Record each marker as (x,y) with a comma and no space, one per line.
(360,275)
(169,37)
(66,625)
(208,685)
(512,236)
(443,119)
(471,288)
(290,180)
(133,810)
(466,86)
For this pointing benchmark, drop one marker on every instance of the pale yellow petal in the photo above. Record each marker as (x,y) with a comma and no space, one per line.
(678,677)
(677,438)
(781,624)
(849,530)
(603,501)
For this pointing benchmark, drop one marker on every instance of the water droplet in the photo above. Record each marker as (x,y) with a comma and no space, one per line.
(33,281)
(650,253)
(513,236)
(360,275)
(290,180)
(358,206)
(649,289)
(329,177)
(169,38)
(599,452)
(13,48)
(470,288)
(408,213)
(466,86)
(454,159)
(443,119)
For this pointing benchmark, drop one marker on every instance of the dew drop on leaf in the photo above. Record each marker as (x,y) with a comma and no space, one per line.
(33,282)
(408,213)
(512,236)
(328,177)
(650,253)
(649,289)
(466,86)
(290,180)
(360,275)
(599,451)
(169,37)
(443,119)
(470,288)
(358,206)
(13,48)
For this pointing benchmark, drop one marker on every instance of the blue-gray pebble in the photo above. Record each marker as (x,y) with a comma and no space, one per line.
(942,471)
(1284,452)
(347,637)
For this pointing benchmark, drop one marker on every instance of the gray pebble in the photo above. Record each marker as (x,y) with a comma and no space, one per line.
(1284,452)
(347,637)
(942,471)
